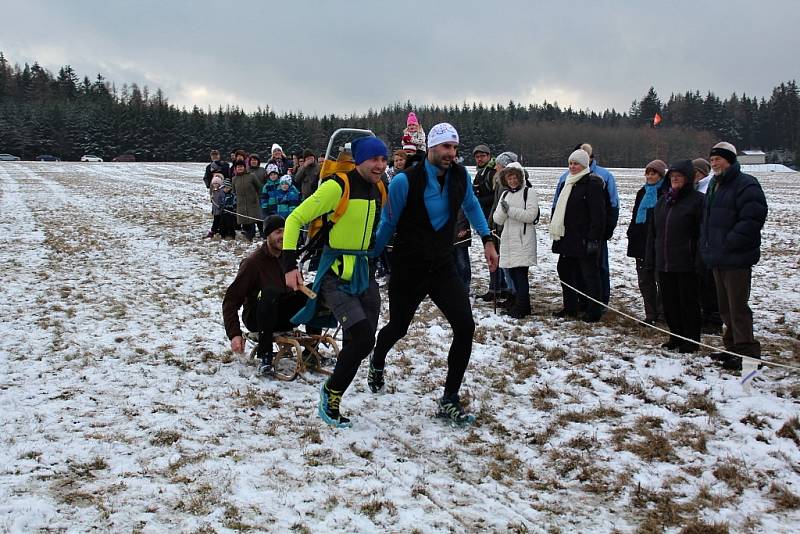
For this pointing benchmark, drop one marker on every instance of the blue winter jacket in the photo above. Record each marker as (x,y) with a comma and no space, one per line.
(734,211)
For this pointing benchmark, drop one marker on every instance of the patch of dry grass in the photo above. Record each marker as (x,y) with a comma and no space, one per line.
(697,526)
(598,412)
(733,472)
(163,438)
(701,402)
(253,398)
(543,397)
(375,506)
(790,430)
(199,499)
(783,498)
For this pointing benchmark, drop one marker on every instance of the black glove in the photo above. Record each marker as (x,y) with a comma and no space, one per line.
(592,248)
(504,205)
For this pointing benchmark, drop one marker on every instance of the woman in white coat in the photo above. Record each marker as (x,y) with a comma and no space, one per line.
(518,212)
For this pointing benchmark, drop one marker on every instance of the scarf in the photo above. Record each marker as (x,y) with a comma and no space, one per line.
(672,195)
(648,200)
(557,229)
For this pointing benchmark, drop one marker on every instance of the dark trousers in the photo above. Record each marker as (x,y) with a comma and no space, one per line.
(522,301)
(216,223)
(250,229)
(605,273)
(733,292)
(681,304)
(497,282)
(584,275)
(383,263)
(648,287)
(227,225)
(708,298)
(275,308)
(358,315)
(408,286)
(463,267)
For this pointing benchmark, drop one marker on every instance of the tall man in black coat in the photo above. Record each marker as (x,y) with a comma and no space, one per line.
(734,211)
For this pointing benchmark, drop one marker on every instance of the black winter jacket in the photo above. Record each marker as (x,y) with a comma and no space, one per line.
(219,166)
(483,185)
(584,219)
(734,212)
(637,233)
(673,232)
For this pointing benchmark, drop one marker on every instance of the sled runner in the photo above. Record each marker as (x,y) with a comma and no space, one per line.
(298,353)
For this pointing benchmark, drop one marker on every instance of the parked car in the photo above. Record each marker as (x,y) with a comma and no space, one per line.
(8,157)
(124,157)
(89,157)
(46,157)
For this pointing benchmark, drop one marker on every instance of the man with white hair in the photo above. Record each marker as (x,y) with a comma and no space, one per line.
(421,212)
(734,212)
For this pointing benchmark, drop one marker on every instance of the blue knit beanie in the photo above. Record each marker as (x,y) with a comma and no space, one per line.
(369,147)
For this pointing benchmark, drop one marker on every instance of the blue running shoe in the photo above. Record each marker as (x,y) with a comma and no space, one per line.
(450,409)
(329,400)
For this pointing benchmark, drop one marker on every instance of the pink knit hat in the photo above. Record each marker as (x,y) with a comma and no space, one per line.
(412,119)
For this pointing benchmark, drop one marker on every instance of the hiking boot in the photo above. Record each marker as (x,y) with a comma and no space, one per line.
(734,363)
(564,314)
(672,344)
(375,379)
(265,368)
(450,409)
(328,410)
(310,360)
(517,312)
(487,297)
(712,329)
(687,348)
(591,317)
(209,235)
(507,303)
(719,356)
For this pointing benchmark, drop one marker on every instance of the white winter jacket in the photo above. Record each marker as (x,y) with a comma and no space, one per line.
(518,240)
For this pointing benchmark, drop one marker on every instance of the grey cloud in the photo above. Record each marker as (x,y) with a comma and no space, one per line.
(346,57)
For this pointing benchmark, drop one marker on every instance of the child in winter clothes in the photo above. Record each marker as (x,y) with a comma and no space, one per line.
(217,198)
(227,227)
(517,212)
(268,200)
(287,197)
(414,134)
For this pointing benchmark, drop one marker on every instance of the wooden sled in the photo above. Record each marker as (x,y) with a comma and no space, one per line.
(289,361)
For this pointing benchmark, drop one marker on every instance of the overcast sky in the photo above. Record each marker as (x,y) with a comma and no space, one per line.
(346,56)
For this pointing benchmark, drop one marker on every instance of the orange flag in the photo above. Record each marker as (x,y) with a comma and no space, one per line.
(656,119)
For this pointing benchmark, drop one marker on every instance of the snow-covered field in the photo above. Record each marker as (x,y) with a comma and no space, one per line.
(123,409)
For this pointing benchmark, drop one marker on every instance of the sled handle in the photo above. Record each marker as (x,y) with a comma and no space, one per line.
(307,292)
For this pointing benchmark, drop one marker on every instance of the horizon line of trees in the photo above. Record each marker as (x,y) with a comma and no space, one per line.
(60,114)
